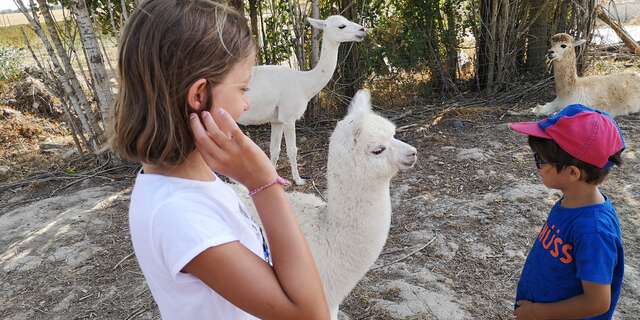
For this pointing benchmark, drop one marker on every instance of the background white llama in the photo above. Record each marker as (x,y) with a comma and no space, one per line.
(279,95)
(346,234)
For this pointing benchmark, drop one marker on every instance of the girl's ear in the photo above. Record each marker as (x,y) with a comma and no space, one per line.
(197,95)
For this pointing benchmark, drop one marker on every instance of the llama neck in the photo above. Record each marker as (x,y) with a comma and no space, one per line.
(361,210)
(565,74)
(318,77)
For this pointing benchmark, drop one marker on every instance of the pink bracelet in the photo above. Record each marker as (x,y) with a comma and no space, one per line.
(279,180)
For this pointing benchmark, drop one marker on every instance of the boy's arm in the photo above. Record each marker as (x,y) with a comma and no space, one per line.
(595,300)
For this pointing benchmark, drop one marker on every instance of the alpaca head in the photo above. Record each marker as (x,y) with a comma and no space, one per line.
(562,46)
(339,29)
(363,146)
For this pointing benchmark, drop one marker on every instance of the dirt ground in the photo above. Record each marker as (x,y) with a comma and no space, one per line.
(463,222)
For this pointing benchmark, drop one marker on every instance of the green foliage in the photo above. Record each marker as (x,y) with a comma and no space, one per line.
(278,32)
(10,63)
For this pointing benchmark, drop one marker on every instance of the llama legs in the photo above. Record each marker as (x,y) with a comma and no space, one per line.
(276,140)
(292,151)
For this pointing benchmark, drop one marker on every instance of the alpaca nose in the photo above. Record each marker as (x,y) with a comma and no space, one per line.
(363,30)
(412,152)
(550,52)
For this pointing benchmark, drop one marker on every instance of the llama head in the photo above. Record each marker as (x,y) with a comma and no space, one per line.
(562,46)
(339,29)
(363,146)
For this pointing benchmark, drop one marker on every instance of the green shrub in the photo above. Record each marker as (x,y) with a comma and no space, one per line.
(10,65)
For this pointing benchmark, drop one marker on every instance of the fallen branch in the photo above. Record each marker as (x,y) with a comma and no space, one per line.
(122,260)
(617,27)
(407,256)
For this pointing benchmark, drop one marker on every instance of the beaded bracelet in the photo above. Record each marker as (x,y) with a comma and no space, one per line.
(279,180)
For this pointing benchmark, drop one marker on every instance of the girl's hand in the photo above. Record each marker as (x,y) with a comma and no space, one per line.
(228,151)
(525,311)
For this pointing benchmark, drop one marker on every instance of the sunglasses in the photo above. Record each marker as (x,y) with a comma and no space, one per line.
(539,161)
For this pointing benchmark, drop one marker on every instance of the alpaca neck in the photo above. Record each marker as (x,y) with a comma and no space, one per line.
(361,210)
(565,74)
(318,77)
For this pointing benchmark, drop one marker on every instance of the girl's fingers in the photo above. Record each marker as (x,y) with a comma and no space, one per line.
(202,138)
(213,129)
(224,121)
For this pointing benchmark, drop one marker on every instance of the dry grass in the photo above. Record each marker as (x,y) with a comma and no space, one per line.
(15,19)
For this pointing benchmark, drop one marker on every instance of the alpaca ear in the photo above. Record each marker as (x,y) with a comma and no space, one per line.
(318,24)
(361,103)
(579,43)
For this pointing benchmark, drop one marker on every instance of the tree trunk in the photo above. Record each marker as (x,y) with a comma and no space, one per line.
(73,93)
(313,110)
(491,49)
(451,40)
(113,22)
(350,70)
(503,41)
(94,58)
(539,34)
(125,14)
(255,28)
(265,44)
(238,5)
(298,32)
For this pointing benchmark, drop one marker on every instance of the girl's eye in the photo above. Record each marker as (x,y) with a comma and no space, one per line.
(245,89)
(563,46)
(342,26)
(378,150)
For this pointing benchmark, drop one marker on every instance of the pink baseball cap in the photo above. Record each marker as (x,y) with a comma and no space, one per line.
(589,135)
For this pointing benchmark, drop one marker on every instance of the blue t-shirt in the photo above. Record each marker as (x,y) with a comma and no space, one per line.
(574,244)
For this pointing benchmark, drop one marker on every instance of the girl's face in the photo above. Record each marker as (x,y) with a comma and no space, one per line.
(230,94)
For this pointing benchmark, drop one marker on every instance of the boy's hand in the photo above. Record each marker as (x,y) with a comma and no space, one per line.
(526,311)
(228,151)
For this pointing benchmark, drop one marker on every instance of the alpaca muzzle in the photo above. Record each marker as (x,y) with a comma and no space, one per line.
(409,159)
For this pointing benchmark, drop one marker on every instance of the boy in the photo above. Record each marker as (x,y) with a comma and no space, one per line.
(576,265)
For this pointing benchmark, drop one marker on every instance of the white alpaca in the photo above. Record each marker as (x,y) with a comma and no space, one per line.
(618,94)
(346,235)
(279,95)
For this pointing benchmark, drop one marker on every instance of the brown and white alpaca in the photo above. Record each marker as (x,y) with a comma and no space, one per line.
(618,94)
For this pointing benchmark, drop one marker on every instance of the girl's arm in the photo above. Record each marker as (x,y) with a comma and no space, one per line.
(292,288)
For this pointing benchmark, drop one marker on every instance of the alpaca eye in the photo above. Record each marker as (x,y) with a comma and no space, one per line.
(563,46)
(378,150)
(342,26)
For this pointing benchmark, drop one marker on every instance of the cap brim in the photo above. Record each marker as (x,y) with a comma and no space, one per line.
(529,128)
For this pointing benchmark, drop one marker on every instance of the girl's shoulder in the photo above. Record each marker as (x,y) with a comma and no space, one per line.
(163,195)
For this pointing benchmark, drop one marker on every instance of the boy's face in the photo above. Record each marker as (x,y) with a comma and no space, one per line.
(230,94)
(554,179)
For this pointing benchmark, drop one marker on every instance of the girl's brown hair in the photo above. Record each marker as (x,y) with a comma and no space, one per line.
(165,47)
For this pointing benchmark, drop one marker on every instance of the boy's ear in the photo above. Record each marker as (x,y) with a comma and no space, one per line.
(574,173)
(197,95)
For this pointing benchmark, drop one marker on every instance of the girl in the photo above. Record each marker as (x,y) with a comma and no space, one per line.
(184,66)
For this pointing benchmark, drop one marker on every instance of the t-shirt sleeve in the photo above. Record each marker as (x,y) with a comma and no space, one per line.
(181,231)
(596,257)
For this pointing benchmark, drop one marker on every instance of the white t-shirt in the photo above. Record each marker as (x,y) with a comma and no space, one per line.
(171,221)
